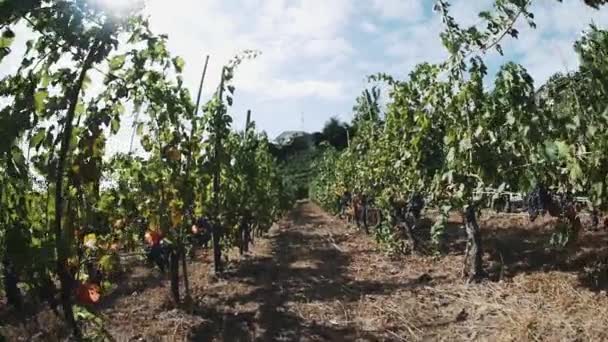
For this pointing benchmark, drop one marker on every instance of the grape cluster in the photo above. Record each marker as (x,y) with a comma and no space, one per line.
(95,275)
(13,295)
(201,233)
(538,201)
(159,254)
(405,215)
(415,205)
(595,218)
(344,201)
(359,205)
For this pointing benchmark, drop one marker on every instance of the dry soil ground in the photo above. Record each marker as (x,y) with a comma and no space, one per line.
(313,278)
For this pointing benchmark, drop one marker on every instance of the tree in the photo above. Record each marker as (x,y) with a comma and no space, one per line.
(336,133)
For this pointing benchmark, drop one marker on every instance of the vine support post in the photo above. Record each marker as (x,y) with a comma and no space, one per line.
(65,278)
(369,110)
(190,204)
(134,132)
(245,224)
(190,207)
(200,87)
(347,138)
(216,232)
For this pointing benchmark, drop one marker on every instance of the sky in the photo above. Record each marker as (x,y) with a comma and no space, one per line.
(317,54)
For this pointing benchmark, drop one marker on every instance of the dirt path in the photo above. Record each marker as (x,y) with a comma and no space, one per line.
(299,269)
(315,279)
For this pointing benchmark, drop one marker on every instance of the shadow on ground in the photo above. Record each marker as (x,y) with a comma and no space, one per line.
(306,266)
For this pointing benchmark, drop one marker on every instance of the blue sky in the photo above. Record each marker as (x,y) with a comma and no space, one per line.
(316,54)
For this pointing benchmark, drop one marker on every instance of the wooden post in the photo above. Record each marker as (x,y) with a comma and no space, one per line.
(347,137)
(217,252)
(369,110)
(245,226)
(248,122)
(190,199)
(133,133)
(200,88)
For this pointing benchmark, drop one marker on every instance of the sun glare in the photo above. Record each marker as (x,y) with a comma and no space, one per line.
(119,5)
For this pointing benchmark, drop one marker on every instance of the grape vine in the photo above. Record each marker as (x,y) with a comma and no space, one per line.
(446,137)
(68,216)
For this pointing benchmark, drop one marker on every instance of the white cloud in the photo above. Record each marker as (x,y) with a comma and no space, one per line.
(466,12)
(369,27)
(413,45)
(550,47)
(302,33)
(301,89)
(407,10)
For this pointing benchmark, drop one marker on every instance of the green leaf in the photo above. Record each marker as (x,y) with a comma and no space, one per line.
(465,144)
(179,64)
(86,82)
(597,189)
(118,109)
(45,79)
(146,143)
(115,125)
(37,138)
(501,187)
(39,99)
(478,131)
(499,49)
(551,150)
(140,128)
(563,149)
(510,118)
(576,120)
(76,132)
(492,136)
(117,62)
(451,155)
(80,109)
(576,173)
(7,38)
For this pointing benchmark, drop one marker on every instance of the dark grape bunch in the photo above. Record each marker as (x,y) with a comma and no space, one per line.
(159,251)
(406,215)
(344,201)
(595,218)
(159,254)
(541,200)
(415,205)
(201,232)
(538,202)
(9,274)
